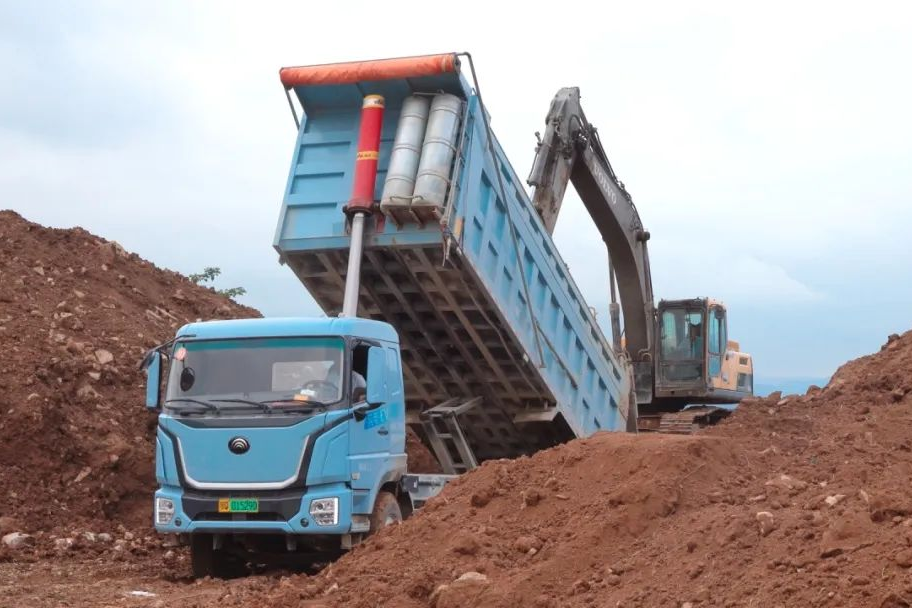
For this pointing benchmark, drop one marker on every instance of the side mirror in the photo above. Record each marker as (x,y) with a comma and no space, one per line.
(152,364)
(376,376)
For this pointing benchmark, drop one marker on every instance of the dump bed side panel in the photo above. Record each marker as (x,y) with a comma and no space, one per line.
(467,322)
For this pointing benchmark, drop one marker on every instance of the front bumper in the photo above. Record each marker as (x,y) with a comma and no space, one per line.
(198,513)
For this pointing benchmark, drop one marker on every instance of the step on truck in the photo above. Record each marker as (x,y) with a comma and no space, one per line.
(448,310)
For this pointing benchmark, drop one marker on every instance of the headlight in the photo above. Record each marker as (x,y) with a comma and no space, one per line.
(164,510)
(325,511)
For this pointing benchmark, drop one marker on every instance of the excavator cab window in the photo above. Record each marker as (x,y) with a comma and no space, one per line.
(717,340)
(682,344)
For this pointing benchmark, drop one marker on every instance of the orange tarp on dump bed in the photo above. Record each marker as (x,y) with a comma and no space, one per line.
(360,71)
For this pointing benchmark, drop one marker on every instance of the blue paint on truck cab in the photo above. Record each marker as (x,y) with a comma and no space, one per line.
(263,429)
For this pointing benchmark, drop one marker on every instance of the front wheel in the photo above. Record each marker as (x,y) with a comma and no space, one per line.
(206,560)
(386,512)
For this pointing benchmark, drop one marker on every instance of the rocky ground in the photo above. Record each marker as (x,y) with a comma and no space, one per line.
(792,501)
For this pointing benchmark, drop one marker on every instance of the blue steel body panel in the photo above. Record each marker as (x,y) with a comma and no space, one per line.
(274,456)
(576,370)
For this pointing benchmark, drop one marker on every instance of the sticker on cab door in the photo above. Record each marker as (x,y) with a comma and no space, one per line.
(375,418)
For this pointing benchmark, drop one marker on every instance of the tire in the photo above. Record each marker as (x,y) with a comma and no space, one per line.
(386,512)
(208,561)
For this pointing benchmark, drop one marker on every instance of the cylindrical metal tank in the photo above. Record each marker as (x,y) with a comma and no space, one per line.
(437,152)
(403,166)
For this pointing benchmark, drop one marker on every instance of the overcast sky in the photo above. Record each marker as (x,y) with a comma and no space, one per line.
(768,149)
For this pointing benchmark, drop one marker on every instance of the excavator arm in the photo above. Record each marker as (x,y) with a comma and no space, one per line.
(570,152)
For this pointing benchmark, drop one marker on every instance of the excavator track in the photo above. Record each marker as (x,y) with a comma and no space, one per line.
(685,422)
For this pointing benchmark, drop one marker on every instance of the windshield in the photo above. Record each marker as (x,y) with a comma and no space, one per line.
(258,370)
(682,334)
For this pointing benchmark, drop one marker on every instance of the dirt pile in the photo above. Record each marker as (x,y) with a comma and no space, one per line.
(794,501)
(76,314)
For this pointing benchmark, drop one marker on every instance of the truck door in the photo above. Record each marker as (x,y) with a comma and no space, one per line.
(370,438)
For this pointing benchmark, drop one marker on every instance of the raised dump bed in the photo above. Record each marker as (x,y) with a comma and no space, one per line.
(486,310)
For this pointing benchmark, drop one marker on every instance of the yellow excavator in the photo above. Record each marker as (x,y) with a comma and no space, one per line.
(684,364)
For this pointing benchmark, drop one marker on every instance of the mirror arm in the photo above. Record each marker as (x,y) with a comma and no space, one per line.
(360,411)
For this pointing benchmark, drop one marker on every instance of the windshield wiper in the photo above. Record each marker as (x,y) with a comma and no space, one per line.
(205,404)
(302,406)
(310,403)
(263,405)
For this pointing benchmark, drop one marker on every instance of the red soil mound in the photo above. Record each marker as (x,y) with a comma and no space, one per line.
(77,313)
(796,501)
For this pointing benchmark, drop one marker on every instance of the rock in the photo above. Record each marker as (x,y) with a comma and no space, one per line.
(85,472)
(104,537)
(38,270)
(481,499)
(859,581)
(892,600)
(524,544)
(453,595)
(128,536)
(472,577)
(9,524)
(834,499)
(897,394)
(579,586)
(465,544)
(787,483)
(62,544)
(903,558)
(530,498)
(17,540)
(104,356)
(767,522)
(613,579)
(89,537)
(87,392)
(118,249)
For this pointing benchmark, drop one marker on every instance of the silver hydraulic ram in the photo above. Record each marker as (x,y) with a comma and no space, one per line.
(362,200)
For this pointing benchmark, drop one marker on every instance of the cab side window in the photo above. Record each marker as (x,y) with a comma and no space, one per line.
(359,373)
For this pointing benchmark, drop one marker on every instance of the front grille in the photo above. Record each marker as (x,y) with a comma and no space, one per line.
(213,516)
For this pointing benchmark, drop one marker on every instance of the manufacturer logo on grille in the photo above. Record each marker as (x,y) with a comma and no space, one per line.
(238,445)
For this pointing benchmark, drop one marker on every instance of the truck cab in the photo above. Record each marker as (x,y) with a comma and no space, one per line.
(277,437)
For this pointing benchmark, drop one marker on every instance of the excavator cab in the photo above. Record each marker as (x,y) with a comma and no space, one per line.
(695,361)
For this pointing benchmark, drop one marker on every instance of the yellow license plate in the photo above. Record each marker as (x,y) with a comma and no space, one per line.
(238,505)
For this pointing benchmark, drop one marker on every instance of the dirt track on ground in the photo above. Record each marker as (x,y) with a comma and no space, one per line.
(794,501)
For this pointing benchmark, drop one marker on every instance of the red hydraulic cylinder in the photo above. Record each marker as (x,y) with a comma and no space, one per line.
(368,152)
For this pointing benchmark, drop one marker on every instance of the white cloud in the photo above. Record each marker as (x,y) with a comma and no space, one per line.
(766,147)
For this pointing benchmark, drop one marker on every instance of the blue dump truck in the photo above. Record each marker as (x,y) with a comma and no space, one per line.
(449,310)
